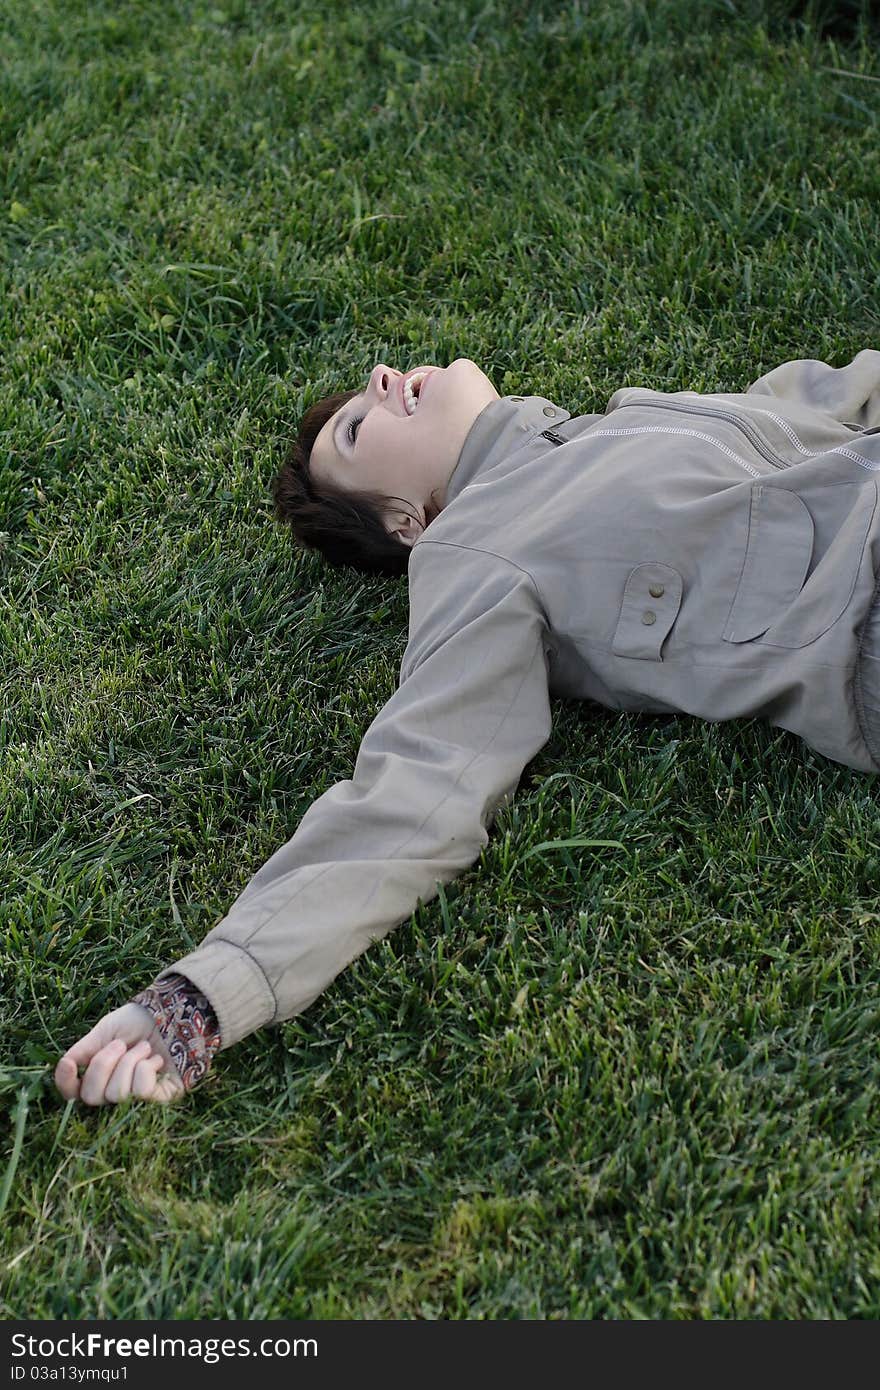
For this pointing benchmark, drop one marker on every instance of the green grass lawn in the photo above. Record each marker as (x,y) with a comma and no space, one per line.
(624,1083)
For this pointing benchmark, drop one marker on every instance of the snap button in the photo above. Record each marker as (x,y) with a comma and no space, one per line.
(657,591)
(548,410)
(649,617)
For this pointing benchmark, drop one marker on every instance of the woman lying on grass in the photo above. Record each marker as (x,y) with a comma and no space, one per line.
(713,555)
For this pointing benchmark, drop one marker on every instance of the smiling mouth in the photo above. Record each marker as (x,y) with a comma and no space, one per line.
(412,390)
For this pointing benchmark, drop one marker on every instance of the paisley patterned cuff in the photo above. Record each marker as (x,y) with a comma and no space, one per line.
(187,1023)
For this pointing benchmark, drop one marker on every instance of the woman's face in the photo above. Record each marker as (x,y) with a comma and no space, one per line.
(373,444)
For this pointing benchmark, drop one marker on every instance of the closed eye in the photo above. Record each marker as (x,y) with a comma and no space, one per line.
(351,432)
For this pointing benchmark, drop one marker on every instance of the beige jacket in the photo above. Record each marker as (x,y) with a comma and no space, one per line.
(707,554)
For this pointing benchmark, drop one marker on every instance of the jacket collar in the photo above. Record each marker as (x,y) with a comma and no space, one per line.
(499,430)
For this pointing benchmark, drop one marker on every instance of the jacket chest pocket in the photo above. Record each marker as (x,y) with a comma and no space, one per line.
(774,600)
(651,600)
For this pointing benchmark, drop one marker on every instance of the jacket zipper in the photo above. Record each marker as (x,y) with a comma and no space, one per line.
(748,430)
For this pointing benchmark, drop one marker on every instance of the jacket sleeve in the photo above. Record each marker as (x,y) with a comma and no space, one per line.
(471,709)
(850,394)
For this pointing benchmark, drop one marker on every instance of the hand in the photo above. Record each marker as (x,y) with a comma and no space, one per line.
(123,1055)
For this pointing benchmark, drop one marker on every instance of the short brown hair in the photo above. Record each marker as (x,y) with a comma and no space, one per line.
(346,529)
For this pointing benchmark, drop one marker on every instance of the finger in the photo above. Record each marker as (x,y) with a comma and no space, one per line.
(85,1049)
(144,1080)
(99,1071)
(67,1077)
(119,1086)
(167,1090)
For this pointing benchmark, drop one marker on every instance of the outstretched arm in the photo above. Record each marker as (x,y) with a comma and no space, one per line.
(472,708)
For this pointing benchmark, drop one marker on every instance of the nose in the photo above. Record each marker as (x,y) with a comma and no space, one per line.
(381,379)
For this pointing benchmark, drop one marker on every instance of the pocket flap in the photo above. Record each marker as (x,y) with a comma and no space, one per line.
(651,600)
(778,553)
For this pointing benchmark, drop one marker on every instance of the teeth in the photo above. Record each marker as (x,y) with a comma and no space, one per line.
(409,395)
